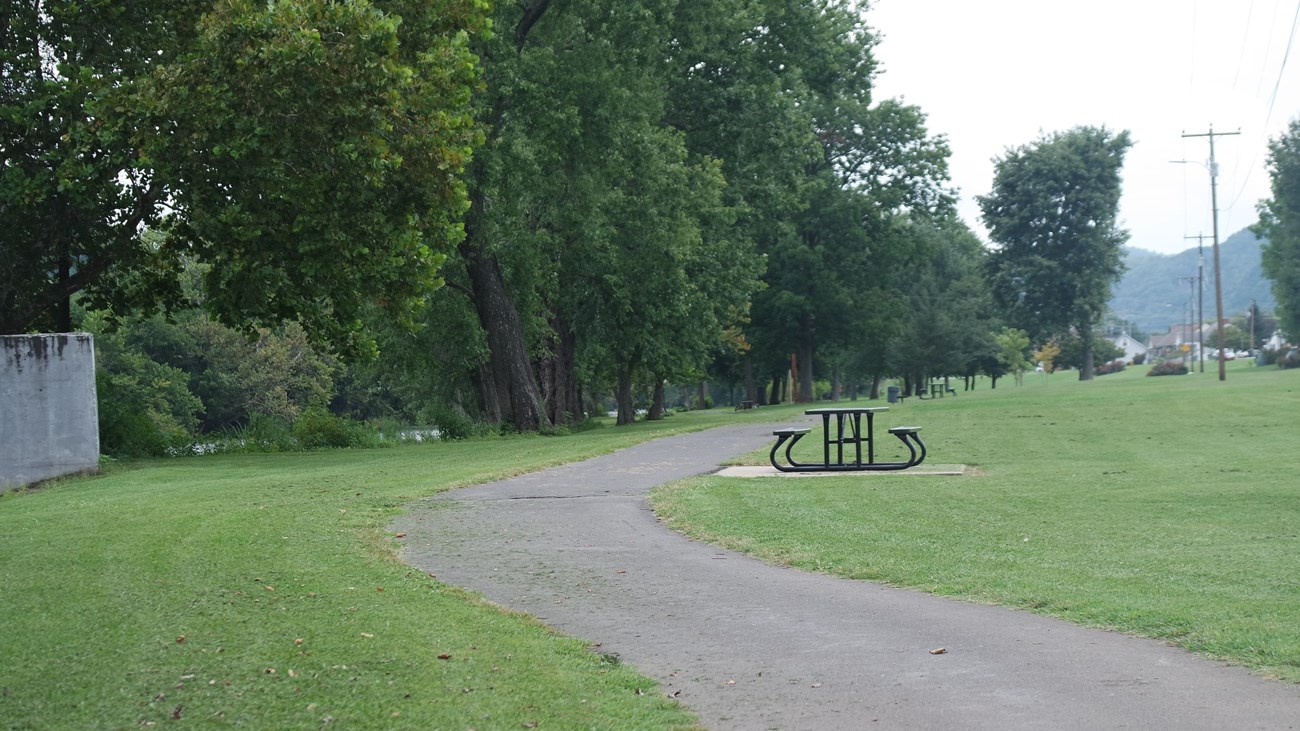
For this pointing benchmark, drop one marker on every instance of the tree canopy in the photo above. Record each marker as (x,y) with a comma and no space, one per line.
(1279,222)
(659,191)
(1053,214)
(309,151)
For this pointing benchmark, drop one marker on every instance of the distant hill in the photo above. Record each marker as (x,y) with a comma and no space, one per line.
(1151,295)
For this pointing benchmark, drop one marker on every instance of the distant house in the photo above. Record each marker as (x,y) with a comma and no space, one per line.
(1170,344)
(1133,349)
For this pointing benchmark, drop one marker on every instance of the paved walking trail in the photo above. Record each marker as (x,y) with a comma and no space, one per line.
(752,646)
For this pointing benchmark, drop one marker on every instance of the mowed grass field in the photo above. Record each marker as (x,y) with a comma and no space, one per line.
(1167,507)
(263,591)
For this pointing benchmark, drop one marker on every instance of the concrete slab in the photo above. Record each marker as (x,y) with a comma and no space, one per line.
(931,470)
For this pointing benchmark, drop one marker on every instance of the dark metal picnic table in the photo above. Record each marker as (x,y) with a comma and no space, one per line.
(848,431)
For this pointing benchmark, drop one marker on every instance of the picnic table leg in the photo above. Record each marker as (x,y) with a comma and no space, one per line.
(857,438)
(871,440)
(839,439)
(826,439)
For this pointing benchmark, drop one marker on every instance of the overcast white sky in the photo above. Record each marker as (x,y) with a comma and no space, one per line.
(994,74)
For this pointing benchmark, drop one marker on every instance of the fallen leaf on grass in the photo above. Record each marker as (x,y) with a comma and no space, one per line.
(399,535)
(180,640)
(176,713)
(445,656)
(368,635)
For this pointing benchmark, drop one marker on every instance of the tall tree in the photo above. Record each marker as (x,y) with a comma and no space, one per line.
(309,150)
(1279,222)
(1053,214)
(947,318)
(598,242)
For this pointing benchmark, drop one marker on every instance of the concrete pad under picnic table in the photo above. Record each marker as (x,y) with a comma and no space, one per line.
(925,468)
(748,645)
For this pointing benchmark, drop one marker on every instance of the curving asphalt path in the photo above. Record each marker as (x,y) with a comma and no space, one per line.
(752,646)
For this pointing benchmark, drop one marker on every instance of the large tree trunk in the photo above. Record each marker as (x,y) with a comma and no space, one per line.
(656,412)
(623,395)
(1086,370)
(805,373)
(487,388)
(517,396)
(875,387)
(557,374)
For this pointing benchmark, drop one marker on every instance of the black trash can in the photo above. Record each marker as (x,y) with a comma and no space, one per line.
(892,393)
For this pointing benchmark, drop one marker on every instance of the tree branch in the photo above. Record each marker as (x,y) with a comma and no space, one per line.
(532,13)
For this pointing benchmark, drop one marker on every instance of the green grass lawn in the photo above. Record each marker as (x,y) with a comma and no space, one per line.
(1167,507)
(262,591)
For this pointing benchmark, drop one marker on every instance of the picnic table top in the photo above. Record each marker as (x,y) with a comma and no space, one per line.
(847,410)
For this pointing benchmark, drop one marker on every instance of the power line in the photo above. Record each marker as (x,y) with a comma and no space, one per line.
(1272,100)
(1285,55)
(1245,41)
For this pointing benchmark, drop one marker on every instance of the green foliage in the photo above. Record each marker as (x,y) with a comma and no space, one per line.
(1053,214)
(309,150)
(263,433)
(454,425)
(1013,349)
(145,407)
(316,428)
(1279,221)
(1072,351)
(943,329)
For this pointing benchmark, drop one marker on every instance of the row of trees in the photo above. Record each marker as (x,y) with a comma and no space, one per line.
(1279,222)
(611,196)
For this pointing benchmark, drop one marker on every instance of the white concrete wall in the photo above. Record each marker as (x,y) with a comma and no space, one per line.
(49,419)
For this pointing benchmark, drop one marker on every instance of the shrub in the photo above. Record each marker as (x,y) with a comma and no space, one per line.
(316,428)
(1114,366)
(1168,368)
(144,409)
(263,434)
(454,425)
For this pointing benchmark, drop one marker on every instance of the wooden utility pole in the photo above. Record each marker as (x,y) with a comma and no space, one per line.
(1214,208)
(1200,297)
